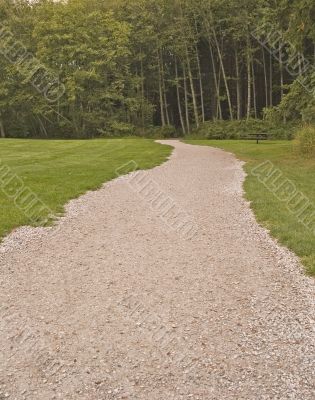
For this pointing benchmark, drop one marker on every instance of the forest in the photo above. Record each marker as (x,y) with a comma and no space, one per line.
(92,68)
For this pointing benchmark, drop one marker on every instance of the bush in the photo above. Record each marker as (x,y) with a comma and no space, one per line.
(116,128)
(168,131)
(305,141)
(161,132)
(241,129)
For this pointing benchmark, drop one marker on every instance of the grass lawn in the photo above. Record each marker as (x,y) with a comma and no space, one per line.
(271,212)
(59,170)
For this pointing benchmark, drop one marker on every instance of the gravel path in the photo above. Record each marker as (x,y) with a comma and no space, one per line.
(160,285)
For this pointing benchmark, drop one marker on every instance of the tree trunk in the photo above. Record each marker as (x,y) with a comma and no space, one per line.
(42,126)
(224,74)
(300,64)
(265,77)
(270,81)
(161,92)
(164,92)
(281,72)
(2,131)
(238,86)
(254,89)
(199,73)
(217,86)
(186,100)
(192,88)
(249,82)
(178,99)
(142,94)
(200,86)
(281,79)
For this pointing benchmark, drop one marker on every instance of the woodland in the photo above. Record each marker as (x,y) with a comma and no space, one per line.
(91,68)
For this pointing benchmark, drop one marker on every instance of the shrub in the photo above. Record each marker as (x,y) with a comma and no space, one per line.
(308,114)
(305,141)
(241,129)
(116,128)
(161,132)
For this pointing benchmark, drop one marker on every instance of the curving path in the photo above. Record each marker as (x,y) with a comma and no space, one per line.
(160,285)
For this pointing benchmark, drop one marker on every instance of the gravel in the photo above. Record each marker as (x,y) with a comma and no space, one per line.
(114,302)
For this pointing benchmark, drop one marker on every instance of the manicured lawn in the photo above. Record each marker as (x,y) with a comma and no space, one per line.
(271,212)
(57,171)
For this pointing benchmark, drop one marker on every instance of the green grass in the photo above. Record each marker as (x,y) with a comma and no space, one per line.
(271,212)
(58,170)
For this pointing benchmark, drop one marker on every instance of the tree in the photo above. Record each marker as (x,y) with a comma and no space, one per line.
(126,65)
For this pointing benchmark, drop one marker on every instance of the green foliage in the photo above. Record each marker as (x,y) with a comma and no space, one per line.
(160,132)
(119,129)
(241,129)
(153,62)
(164,132)
(305,141)
(297,104)
(86,48)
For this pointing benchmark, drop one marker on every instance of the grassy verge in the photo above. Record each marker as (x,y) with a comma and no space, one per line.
(57,171)
(271,212)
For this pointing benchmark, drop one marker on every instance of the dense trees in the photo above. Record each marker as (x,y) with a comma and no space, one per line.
(104,68)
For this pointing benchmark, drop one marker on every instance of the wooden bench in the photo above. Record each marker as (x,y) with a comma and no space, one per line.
(258,136)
